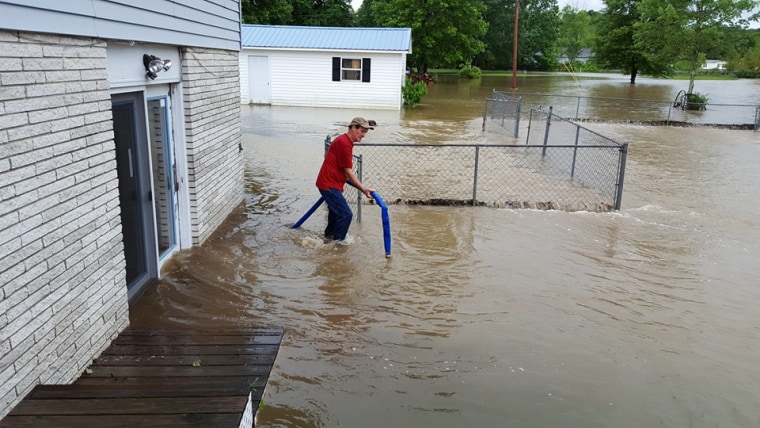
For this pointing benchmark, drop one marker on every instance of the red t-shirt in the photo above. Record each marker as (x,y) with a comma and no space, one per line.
(339,156)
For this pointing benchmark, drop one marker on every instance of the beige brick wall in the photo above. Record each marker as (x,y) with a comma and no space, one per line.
(211,92)
(63,295)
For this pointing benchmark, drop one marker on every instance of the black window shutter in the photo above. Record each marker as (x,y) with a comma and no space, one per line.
(366,65)
(336,69)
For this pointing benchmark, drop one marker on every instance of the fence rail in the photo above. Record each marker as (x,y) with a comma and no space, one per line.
(562,165)
(562,177)
(657,112)
(505,111)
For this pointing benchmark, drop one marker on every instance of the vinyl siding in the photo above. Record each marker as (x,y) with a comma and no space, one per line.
(304,79)
(200,23)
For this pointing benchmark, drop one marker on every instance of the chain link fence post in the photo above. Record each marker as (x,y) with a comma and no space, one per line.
(475,177)
(546,132)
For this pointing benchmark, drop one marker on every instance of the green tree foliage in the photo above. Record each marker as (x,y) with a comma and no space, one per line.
(746,61)
(616,45)
(576,32)
(537,45)
(687,29)
(267,12)
(326,13)
(365,16)
(323,13)
(445,33)
(537,36)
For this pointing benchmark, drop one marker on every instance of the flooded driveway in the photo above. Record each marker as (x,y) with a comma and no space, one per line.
(483,316)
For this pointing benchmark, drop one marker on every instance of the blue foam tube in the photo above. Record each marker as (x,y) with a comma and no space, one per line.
(386,222)
(308,213)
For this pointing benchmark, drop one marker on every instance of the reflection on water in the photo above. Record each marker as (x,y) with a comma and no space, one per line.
(490,317)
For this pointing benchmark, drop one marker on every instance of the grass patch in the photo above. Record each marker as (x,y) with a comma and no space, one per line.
(490,73)
(508,73)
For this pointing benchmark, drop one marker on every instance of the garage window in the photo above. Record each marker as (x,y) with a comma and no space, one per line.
(351,69)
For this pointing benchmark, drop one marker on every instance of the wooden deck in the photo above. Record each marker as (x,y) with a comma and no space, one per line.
(161,378)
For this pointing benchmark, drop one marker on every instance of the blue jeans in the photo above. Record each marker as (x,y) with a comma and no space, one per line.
(339,214)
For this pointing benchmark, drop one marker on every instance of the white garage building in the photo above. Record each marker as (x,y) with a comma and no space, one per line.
(334,67)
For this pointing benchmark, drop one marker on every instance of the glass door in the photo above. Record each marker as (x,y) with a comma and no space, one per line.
(135,194)
(165,184)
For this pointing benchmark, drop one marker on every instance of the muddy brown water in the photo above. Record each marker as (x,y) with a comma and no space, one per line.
(492,317)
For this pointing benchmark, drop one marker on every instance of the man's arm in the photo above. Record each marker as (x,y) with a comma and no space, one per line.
(356,183)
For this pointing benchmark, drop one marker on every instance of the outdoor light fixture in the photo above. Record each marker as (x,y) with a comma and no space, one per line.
(154,65)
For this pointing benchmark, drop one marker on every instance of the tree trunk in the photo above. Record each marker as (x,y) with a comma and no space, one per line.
(634,73)
(692,75)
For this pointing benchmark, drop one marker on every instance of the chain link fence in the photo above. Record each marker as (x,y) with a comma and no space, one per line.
(641,111)
(503,110)
(570,177)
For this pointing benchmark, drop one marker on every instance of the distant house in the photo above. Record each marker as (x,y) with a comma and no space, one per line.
(119,145)
(584,56)
(324,66)
(714,64)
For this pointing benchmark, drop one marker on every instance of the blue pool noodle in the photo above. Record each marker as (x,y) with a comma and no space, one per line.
(308,213)
(386,222)
(383,215)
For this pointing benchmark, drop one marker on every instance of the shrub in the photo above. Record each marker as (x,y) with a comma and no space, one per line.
(413,92)
(422,77)
(696,101)
(748,74)
(470,72)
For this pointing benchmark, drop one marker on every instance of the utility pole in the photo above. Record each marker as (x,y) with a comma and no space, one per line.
(514,45)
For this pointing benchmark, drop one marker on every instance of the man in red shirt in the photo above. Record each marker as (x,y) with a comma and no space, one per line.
(336,169)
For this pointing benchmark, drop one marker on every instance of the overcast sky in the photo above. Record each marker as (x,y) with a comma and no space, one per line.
(582,4)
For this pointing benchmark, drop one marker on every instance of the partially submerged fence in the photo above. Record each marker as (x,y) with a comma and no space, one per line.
(503,110)
(654,112)
(566,174)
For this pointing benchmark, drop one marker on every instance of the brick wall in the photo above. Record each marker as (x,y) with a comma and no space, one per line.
(211,92)
(63,295)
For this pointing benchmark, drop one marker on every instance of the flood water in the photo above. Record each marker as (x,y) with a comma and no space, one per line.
(493,317)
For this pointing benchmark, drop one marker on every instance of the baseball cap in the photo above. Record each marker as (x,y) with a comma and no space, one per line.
(364,123)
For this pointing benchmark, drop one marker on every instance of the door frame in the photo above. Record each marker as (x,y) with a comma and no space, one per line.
(170,162)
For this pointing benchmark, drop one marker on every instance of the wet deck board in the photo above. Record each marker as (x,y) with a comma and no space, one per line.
(160,378)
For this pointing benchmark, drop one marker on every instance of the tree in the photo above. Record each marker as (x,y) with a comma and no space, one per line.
(744,53)
(323,13)
(537,45)
(687,29)
(445,33)
(365,16)
(576,32)
(616,45)
(270,12)
(537,35)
